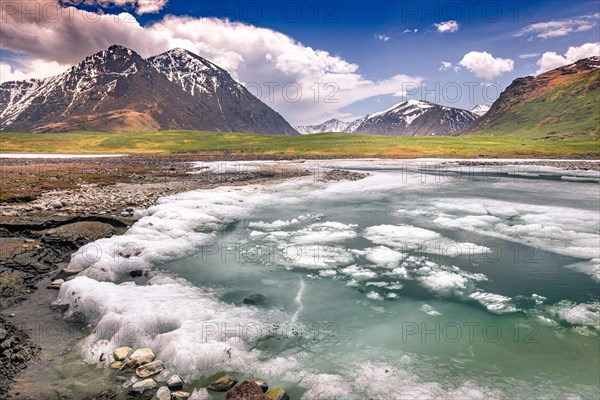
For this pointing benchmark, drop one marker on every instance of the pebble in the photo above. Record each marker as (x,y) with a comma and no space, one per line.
(56,284)
(175,383)
(143,388)
(72,271)
(139,357)
(150,369)
(222,384)
(180,395)
(121,353)
(116,365)
(276,394)
(163,393)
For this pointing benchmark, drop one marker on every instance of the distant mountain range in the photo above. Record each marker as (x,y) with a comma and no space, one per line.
(408,118)
(117,90)
(559,103)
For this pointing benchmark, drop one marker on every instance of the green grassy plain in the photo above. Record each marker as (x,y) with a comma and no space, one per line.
(319,145)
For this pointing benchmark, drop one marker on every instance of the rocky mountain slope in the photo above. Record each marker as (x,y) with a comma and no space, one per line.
(559,103)
(117,90)
(238,110)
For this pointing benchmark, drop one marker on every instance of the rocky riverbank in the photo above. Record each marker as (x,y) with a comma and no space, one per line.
(53,207)
(141,375)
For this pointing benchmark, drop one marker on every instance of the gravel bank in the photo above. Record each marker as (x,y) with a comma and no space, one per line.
(61,212)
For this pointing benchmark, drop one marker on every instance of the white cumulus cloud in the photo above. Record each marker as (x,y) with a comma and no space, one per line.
(486,66)
(447,26)
(551,59)
(29,69)
(262,57)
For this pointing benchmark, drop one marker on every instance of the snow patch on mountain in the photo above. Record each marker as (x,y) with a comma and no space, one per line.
(481,109)
(332,125)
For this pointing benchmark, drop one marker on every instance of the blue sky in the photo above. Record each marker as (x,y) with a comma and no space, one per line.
(379,40)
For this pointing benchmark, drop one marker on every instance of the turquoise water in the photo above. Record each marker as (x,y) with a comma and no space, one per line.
(474,289)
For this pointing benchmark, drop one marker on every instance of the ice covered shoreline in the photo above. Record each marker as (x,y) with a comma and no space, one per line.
(175,227)
(191,220)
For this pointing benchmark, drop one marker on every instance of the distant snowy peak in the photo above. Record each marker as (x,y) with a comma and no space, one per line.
(417,118)
(407,110)
(333,125)
(408,118)
(481,109)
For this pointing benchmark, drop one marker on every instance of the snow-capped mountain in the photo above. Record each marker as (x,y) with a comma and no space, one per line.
(417,118)
(333,125)
(239,110)
(409,118)
(117,90)
(481,109)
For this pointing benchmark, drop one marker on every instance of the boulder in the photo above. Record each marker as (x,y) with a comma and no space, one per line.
(179,395)
(276,394)
(163,393)
(121,353)
(116,365)
(138,358)
(175,383)
(222,384)
(246,391)
(256,299)
(150,369)
(143,389)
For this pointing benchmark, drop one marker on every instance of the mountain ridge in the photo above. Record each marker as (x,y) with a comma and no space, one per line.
(118,90)
(558,103)
(407,118)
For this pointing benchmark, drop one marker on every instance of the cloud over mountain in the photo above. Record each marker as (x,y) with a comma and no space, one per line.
(281,71)
(551,59)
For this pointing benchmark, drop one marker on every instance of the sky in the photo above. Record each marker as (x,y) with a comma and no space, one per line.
(314,60)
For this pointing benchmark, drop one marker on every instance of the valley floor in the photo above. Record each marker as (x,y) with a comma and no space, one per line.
(330,145)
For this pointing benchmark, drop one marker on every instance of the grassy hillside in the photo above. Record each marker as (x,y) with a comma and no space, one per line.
(569,108)
(325,144)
